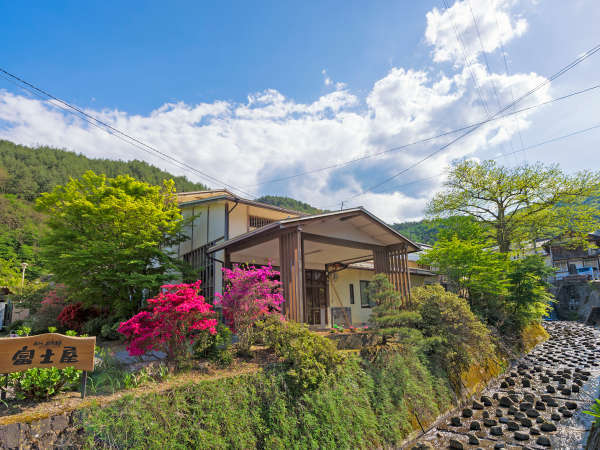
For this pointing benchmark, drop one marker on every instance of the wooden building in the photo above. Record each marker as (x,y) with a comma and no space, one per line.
(325,260)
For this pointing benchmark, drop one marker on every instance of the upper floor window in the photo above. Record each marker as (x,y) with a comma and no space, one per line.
(257,222)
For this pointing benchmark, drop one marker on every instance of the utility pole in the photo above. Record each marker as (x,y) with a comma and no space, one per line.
(24,267)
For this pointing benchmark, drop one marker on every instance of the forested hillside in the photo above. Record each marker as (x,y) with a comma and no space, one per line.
(289,203)
(27,172)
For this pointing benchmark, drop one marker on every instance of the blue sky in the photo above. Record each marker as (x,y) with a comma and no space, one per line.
(251,91)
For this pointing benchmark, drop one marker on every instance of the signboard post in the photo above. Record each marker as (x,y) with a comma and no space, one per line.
(48,350)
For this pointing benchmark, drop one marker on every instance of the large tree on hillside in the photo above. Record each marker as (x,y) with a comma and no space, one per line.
(108,236)
(519,204)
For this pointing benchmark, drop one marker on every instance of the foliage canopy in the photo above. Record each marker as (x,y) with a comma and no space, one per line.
(108,238)
(521,204)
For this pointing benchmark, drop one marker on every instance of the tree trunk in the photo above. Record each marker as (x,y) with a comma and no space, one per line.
(501,234)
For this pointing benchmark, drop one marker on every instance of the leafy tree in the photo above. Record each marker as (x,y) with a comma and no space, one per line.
(390,317)
(521,203)
(108,238)
(529,297)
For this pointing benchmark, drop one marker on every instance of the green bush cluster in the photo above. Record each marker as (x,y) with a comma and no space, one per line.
(40,384)
(215,347)
(362,405)
(309,357)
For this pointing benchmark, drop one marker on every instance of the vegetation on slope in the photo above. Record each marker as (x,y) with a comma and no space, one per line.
(27,172)
(289,203)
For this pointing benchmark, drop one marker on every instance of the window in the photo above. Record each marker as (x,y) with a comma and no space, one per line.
(365,301)
(257,222)
(351,294)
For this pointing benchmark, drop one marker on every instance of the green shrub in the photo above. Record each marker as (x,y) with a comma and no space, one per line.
(310,358)
(14,326)
(109,331)
(456,338)
(40,384)
(93,327)
(215,347)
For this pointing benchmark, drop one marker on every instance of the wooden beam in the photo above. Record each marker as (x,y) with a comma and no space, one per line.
(291,265)
(339,241)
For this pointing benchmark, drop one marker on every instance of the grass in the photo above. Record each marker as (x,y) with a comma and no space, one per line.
(359,407)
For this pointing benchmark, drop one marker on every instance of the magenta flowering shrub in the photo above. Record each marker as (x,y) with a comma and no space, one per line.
(250,294)
(174,320)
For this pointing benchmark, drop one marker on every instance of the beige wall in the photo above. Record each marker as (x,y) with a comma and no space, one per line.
(339,291)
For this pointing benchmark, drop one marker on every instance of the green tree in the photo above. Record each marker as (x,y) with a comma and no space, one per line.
(520,203)
(389,316)
(108,238)
(529,298)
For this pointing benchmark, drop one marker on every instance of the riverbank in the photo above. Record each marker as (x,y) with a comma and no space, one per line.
(537,403)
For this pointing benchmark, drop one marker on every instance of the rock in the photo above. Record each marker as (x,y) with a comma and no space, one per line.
(512,426)
(477,405)
(503,385)
(575,389)
(490,422)
(499,413)
(550,389)
(553,403)
(534,431)
(512,410)
(475,426)
(521,436)
(499,445)
(514,398)
(543,441)
(524,406)
(566,391)
(504,420)
(455,421)
(519,415)
(567,414)
(532,413)
(473,439)
(486,400)
(526,383)
(555,417)
(539,420)
(456,444)
(422,447)
(496,431)
(467,412)
(526,423)
(548,427)
(571,405)
(544,379)
(540,406)
(505,402)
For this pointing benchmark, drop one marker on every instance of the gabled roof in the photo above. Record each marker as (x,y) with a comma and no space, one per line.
(199,197)
(346,214)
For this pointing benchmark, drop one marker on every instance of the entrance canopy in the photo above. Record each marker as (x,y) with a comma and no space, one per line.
(319,241)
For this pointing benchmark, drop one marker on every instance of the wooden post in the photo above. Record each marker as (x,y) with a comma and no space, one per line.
(83,383)
(3,395)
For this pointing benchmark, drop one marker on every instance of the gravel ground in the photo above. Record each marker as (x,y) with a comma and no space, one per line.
(536,404)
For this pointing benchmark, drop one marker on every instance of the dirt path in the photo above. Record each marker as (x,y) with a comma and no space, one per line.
(537,404)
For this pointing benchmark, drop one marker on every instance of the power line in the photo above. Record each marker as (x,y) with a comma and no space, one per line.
(467,63)
(539,144)
(561,72)
(424,140)
(507,71)
(79,113)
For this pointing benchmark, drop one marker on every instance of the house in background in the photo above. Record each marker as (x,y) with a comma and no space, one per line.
(573,263)
(326,260)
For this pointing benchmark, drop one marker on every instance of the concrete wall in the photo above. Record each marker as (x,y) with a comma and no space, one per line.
(339,293)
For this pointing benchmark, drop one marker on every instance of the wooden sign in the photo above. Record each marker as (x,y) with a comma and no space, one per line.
(46,350)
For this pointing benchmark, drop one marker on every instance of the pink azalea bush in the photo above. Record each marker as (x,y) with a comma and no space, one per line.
(174,320)
(251,293)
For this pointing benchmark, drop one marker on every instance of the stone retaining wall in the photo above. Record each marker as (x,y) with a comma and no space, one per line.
(56,431)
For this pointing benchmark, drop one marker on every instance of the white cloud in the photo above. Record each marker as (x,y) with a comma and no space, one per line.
(453,32)
(271,136)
